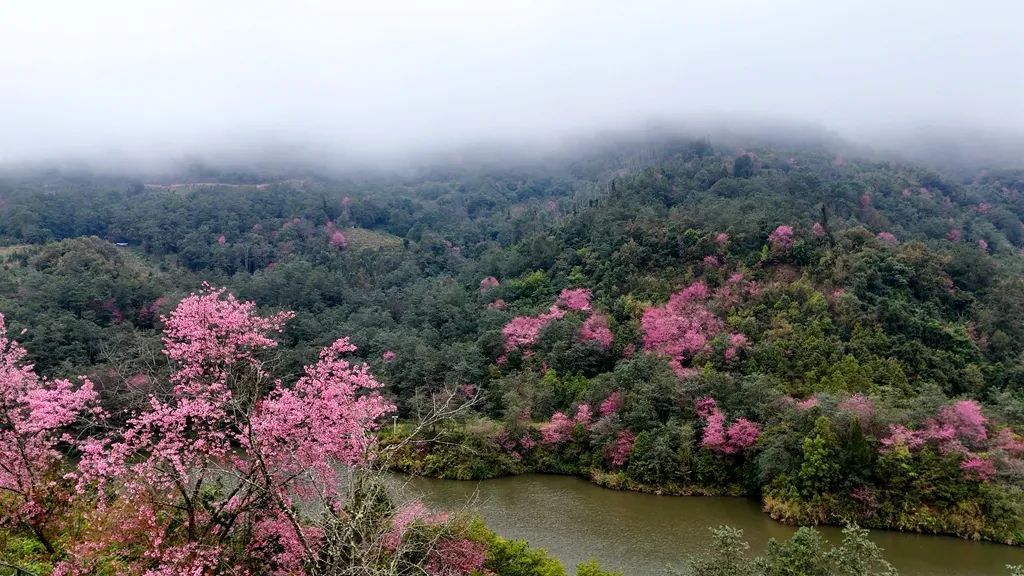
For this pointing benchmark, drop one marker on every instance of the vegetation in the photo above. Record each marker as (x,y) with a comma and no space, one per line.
(842,340)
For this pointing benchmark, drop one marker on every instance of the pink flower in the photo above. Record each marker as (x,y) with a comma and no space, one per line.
(711,261)
(456,557)
(584,415)
(978,468)
(221,240)
(887,238)
(900,435)
(595,329)
(577,299)
(858,405)
(37,414)
(722,239)
(808,403)
(388,356)
(1009,442)
(611,404)
(953,235)
(818,230)
(617,453)
(498,304)
(705,407)
(741,435)
(557,431)
(488,283)
(682,328)
(961,420)
(781,238)
(983,245)
(337,239)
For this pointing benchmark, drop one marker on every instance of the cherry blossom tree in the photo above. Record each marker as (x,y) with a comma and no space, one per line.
(888,238)
(611,404)
(224,465)
(488,283)
(595,329)
(35,419)
(575,299)
(617,453)
(735,438)
(781,239)
(682,328)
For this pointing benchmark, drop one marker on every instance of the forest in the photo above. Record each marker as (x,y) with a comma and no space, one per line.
(226,365)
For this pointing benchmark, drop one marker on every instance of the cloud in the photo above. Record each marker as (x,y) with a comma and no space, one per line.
(147,79)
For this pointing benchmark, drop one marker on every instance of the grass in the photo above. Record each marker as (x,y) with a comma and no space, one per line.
(363,239)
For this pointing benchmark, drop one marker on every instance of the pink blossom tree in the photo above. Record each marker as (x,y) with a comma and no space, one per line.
(682,328)
(735,438)
(617,453)
(595,329)
(35,417)
(556,431)
(488,283)
(781,239)
(888,238)
(611,404)
(280,445)
(575,299)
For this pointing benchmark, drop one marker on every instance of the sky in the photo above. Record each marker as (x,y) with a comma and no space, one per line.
(147,79)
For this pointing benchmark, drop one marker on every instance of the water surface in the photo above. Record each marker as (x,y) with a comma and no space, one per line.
(643,534)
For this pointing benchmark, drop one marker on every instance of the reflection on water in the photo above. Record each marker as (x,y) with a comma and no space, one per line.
(644,535)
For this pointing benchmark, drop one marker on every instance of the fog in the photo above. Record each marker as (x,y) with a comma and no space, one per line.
(137,83)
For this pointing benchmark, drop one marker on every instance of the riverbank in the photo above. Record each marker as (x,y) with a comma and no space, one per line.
(460,454)
(642,534)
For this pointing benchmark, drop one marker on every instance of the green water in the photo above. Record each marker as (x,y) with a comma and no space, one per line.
(643,535)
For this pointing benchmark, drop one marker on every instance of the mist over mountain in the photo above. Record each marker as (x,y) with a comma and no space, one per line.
(142,88)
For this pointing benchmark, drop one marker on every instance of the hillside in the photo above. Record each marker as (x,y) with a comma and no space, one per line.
(840,338)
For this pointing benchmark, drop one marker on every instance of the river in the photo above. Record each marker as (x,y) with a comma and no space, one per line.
(643,535)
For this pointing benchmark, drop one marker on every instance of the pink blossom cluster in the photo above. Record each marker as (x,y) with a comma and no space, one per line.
(808,403)
(559,429)
(888,238)
(684,327)
(575,299)
(522,332)
(36,415)
(860,406)
(611,404)
(740,435)
(818,230)
(515,447)
(335,237)
(283,448)
(617,453)
(488,283)
(977,467)
(959,428)
(954,235)
(781,239)
(595,329)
